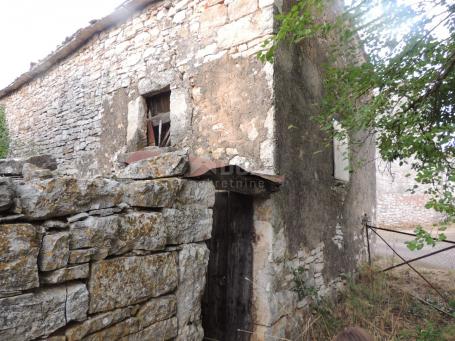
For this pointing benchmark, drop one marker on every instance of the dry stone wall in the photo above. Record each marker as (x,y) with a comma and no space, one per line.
(102,259)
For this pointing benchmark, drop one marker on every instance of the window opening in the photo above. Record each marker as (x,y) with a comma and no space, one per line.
(340,154)
(159,119)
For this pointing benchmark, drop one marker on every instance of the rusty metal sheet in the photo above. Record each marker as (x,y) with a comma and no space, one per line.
(141,155)
(204,166)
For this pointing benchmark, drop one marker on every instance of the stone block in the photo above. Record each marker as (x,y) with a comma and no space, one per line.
(123,281)
(142,231)
(165,165)
(172,192)
(153,193)
(136,133)
(213,16)
(54,251)
(120,233)
(240,8)
(43,161)
(81,256)
(193,262)
(116,332)
(244,29)
(29,316)
(54,224)
(157,82)
(76,302)
(65,274)
(77,217)
(163,330)
(11,166)
(109,211)
(196,193)
(19,247)
(57,197)
(15,166)
(157,309)
(6,194)
(94,232)
(187,225)
(30,171)
(113,325)
(95,323)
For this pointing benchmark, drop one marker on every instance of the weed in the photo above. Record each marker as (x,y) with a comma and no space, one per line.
(429,333)
(301,287)
(379,303)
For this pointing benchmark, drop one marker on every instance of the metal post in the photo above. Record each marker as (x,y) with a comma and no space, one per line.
(365,223)
(368,244)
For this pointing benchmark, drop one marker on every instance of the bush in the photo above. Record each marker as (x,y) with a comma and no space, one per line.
(4,138)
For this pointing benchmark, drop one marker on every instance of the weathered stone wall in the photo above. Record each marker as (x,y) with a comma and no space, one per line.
(224,104)
(397,207)
(310,232)
(100,258)
(81,109)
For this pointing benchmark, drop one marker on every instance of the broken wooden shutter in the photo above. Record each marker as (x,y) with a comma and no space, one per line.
(159,119)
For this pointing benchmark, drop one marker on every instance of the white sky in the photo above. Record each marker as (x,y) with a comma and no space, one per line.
(31,29)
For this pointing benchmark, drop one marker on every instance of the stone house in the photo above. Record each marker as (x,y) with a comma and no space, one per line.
(183,75)
(397,207)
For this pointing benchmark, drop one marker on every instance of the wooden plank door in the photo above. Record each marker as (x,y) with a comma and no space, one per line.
(226,306)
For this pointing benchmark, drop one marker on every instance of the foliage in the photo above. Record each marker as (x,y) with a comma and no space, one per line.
(301,286)
(423,238)
(428,333)
(4,139)
(297,24)
(402,90)
(385,305)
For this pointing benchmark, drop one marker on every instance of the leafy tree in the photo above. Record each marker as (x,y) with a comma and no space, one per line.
(4,139)
(402,89)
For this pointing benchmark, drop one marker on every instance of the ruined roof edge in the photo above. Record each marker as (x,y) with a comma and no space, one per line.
(77,40)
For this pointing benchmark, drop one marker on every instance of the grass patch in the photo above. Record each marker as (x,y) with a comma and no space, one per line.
(389,306)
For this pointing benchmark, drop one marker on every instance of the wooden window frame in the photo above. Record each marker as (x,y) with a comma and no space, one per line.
(159,123)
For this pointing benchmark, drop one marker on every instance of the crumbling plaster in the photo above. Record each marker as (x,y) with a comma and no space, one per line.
(314,223)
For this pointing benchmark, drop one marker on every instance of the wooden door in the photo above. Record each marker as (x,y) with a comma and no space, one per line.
(226,306)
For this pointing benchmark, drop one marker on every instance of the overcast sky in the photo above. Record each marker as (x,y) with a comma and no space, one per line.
(31,29)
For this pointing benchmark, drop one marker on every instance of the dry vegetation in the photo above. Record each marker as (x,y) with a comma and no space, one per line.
(391,307)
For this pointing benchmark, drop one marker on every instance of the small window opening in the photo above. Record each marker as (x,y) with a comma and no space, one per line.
(340,153)
(159,119)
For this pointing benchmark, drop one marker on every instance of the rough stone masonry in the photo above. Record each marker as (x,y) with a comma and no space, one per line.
(86,104)
(90,104)
(102,258)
